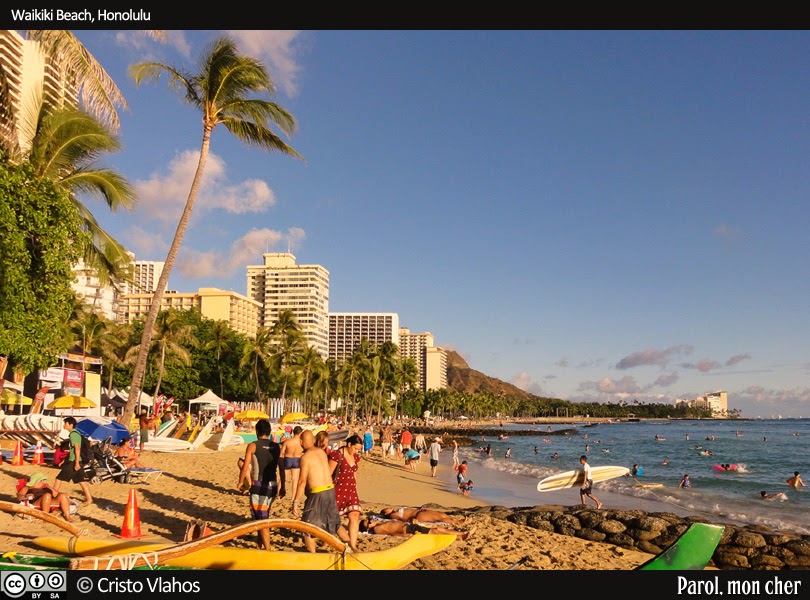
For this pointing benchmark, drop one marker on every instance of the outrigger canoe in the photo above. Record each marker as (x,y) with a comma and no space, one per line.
(205,553)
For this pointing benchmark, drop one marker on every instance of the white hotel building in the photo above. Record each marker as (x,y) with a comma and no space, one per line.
(279,284)
(347,329)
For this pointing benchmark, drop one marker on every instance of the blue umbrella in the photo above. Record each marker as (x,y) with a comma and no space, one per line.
(100,429)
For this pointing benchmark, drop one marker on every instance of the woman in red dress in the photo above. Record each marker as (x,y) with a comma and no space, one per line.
(343,462)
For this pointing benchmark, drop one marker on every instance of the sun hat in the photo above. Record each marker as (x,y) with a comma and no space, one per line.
(35,478)
(438,439)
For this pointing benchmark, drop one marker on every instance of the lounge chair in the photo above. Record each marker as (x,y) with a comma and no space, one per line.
(144,473)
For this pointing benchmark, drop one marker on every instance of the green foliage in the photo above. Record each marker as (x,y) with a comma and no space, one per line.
(41,232)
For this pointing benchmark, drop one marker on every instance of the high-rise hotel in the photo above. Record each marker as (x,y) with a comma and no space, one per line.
(30,73)
(431,361)
(279,284)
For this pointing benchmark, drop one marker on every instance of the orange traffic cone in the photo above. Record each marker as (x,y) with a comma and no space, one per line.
(17,459)
(38,459)
(132,518)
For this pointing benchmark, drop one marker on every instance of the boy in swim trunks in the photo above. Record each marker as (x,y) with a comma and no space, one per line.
(320,506)
(260,469)
(291,452)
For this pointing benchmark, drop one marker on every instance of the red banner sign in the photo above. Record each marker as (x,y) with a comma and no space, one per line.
(74,380)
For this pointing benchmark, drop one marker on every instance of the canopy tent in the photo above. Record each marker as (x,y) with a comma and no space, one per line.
(115,401)
(208,401)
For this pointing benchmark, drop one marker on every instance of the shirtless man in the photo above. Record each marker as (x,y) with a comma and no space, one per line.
(401,529)
(315,480)
(290,460)
(144,425)
(419,515)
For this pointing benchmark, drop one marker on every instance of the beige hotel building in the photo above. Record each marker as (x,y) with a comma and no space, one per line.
(240,312)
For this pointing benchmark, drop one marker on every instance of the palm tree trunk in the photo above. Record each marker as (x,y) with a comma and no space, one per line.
(157,297)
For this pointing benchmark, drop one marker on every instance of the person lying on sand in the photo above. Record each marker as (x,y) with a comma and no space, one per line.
(402,529)
(410,514)
(37,492)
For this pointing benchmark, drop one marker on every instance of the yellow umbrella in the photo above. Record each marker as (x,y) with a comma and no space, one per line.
(10,396)
(251,415)
(293,416)
(72,402)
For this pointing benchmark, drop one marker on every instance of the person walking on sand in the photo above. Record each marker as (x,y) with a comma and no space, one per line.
(261,471)
(455,453)
(587,483)
(433,451)
(796,481)
(343,464)
(315,482)
(290,457)
(386,438)
(71,469)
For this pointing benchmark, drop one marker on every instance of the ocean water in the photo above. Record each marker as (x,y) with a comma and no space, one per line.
(721,496)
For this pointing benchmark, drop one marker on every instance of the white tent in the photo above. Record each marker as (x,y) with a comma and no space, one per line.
(145,399)
(208,401)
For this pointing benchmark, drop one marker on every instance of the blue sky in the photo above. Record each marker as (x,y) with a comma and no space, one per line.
(591,215)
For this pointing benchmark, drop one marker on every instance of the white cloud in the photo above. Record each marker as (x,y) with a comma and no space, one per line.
(143,43)
(206,265)
(277,50)
(163,196)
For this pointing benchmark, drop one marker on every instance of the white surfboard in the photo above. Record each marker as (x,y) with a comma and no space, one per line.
(569,479)
(204,434)
(226,435)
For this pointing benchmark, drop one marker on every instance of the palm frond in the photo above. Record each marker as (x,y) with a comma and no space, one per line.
(98,92)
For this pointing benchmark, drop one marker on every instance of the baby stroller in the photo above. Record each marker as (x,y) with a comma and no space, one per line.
(100,463)
(105,465)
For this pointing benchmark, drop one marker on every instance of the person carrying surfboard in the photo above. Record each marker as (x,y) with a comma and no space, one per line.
(587,483)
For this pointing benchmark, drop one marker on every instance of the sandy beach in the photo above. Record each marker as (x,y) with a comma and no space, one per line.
(199,485)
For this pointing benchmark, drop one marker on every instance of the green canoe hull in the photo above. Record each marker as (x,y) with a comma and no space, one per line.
(690,552)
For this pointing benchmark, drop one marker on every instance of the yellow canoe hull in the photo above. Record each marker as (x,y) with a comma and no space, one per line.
(413,548)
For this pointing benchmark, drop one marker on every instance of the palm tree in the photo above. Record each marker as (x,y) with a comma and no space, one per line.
(406,375)
(98,92)
(223,90)
(221,335)
(73,142)
(257,352)
(63,145)
(113,347)
(289,345)
(308,363)
(171,333)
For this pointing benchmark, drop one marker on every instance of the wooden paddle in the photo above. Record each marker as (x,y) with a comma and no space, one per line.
(31,511)
(159,557)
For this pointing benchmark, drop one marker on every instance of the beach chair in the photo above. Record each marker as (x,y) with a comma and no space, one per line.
(144,474)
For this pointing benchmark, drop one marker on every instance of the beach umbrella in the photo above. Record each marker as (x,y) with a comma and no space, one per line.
(72,402)
(10,396)
(251,415)
(293,416)
(100,429)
